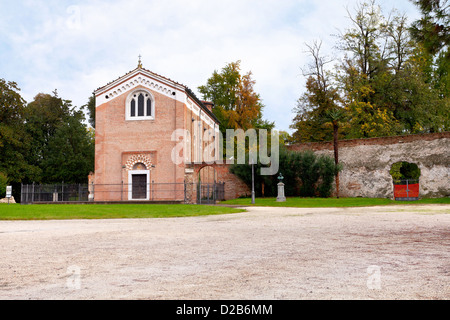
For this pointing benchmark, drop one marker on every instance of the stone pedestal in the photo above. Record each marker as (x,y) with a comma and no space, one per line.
(281,197)
(7,200)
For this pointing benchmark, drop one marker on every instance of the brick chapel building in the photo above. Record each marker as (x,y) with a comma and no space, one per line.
(137,118)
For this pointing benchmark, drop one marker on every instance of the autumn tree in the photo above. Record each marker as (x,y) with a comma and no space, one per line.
(319,113)
(236,104)
(384,79)
(310,122)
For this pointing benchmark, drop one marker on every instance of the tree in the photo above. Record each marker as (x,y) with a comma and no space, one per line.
(365,38)
(387,87)
(320,105)
(15,142)
(310,122)
(91,110)
(43,116)
(70,152)
(387,83)
(433,29)
(336,116)
(63,148)
(236,104)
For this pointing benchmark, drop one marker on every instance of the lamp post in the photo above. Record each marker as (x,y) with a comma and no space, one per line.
(253,182)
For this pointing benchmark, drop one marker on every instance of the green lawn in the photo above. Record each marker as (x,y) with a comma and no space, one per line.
(106,211)
(330,202)
(114,211)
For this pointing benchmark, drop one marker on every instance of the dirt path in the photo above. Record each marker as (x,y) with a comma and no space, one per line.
(266,253)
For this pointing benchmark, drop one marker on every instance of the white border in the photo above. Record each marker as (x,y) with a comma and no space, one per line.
(139,78)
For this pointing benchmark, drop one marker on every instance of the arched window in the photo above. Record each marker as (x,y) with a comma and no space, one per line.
(140,106)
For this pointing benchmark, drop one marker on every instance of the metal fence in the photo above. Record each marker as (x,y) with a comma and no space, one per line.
(208,193)
(201,193)
(34,193)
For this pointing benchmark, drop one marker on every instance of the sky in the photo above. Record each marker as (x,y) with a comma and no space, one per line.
(79,46)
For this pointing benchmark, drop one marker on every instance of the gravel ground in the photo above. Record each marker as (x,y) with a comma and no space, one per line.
(398,252)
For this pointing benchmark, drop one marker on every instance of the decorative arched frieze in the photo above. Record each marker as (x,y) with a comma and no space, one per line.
(138,158)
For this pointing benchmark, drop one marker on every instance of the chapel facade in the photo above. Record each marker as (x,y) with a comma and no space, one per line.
(148,131)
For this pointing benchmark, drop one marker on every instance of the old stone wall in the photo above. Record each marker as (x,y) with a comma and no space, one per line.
(366,163)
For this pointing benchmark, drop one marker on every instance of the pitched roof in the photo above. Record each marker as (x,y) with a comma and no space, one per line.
(188,91)
(133,71)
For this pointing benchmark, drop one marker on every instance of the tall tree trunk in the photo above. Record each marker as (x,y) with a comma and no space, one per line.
(336,153)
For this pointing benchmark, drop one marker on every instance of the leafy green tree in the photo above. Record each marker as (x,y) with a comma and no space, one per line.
(433,28)
(386,79)
(70,152)
(62,146)
(432,31)
(91,111)
(15,142)
(44,115)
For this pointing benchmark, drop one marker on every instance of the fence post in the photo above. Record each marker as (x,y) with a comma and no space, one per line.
(407,188)
(209,195)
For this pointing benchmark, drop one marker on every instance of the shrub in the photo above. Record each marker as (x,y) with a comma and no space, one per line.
(328,171)
(404,170)
(304,174)
(309,173)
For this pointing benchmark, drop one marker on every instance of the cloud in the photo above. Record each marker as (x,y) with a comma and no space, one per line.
(78,46)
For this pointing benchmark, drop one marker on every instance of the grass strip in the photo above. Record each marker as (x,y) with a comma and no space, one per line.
(330,202)
(107,211)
